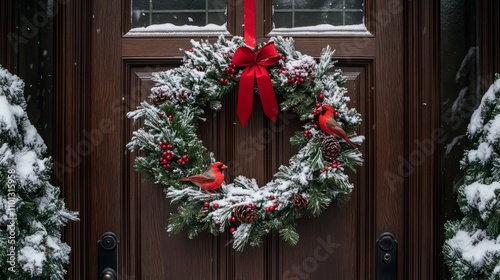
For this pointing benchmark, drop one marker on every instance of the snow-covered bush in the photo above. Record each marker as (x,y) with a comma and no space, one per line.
(472,248)
(31,213)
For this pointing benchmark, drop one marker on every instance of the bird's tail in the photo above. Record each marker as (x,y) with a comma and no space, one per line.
(340,132)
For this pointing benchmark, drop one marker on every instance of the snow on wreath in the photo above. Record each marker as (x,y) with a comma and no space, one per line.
(194,180)
(31,213)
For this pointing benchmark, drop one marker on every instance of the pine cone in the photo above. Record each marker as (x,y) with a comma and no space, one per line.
(160,95)
(183,95)
(299,202)
(330,147)
(245,214)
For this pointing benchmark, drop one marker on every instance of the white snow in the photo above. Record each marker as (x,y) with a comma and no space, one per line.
(27,166)
(476,122)
(161,29)
(357,29)
(9,115)
(482,154)
(493,129)
(482,197)
(474,247)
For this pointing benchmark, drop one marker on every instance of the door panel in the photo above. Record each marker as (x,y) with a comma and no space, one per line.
(138,212)
(152,254)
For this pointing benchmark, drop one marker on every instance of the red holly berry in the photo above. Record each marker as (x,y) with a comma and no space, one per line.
(216,206)
(184,158)
(336,114)
(283,57)
(205,204)
(232,219)
(162,114)
(321,96)
(232,230)
(167,166)
(272,197)
(205,208)
(318,105)
(168,146)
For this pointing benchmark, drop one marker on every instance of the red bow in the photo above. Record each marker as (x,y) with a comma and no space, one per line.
(255,67)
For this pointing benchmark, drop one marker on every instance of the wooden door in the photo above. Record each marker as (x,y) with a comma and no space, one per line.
(112,198)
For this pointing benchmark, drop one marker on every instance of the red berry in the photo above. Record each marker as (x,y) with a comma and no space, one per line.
(268,209)
(232,219)
(169,146)
(167,166)
(313,121)
(183,163)
(321,96)
(164,146)
(184,158)
(162,114)
(315,126)
(272,197)
(283,57)
(222,80)
(161,159)
(334,165)
(275,205)
(231,76)
(279,71)
(336,114)
(216,206)
(232,230)
(168,157)
(205,208)
(271,208)
(205,204)
(230,64)
(326,167)
(190,50)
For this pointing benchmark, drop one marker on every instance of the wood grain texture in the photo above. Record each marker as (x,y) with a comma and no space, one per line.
(73,129)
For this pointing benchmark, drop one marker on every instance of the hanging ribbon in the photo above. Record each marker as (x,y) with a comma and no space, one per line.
(255,70)
(249,22)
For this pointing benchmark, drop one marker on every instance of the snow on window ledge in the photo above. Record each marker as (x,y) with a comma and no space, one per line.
(323,29)
(168,29)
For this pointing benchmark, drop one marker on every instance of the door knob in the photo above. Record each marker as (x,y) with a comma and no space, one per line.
(108,274)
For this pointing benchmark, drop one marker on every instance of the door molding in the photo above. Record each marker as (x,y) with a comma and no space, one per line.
(421,149)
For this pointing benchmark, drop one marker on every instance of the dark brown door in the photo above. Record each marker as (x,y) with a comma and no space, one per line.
(116,201)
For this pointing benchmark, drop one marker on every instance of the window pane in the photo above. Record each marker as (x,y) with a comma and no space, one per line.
(195,13)
(304,13)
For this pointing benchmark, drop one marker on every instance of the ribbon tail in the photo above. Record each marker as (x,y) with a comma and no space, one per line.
(267,94)
(245,95)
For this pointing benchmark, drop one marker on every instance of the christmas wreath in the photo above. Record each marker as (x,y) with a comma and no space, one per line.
(173,153)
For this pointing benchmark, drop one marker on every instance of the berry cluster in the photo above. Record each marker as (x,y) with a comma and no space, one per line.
(206,204)
(335,165)
(167,154)
(183,160)
(275,204)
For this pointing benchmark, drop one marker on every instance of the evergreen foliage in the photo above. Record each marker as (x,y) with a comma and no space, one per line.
(181,95)
(31,213)
(472,248)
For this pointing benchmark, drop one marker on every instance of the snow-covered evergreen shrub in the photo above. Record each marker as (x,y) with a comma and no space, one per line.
(31,213)
(472,248)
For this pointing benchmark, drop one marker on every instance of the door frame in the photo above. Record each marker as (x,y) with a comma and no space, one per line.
(422,116)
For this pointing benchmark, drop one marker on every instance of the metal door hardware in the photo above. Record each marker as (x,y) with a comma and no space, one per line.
(387,252)
(108,257)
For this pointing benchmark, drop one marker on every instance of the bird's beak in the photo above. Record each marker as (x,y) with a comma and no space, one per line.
(319,109)
(224,166)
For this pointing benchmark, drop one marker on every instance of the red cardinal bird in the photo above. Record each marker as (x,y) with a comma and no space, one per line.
(209,180)
(329,125)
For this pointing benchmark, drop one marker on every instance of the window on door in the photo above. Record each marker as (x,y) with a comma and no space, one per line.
(178,16)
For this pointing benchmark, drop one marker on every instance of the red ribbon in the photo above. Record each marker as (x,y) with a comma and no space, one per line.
(249,22)
(255,69)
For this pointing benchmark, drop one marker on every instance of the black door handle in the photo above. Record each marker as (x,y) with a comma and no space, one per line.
(108,257)
(387,261)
